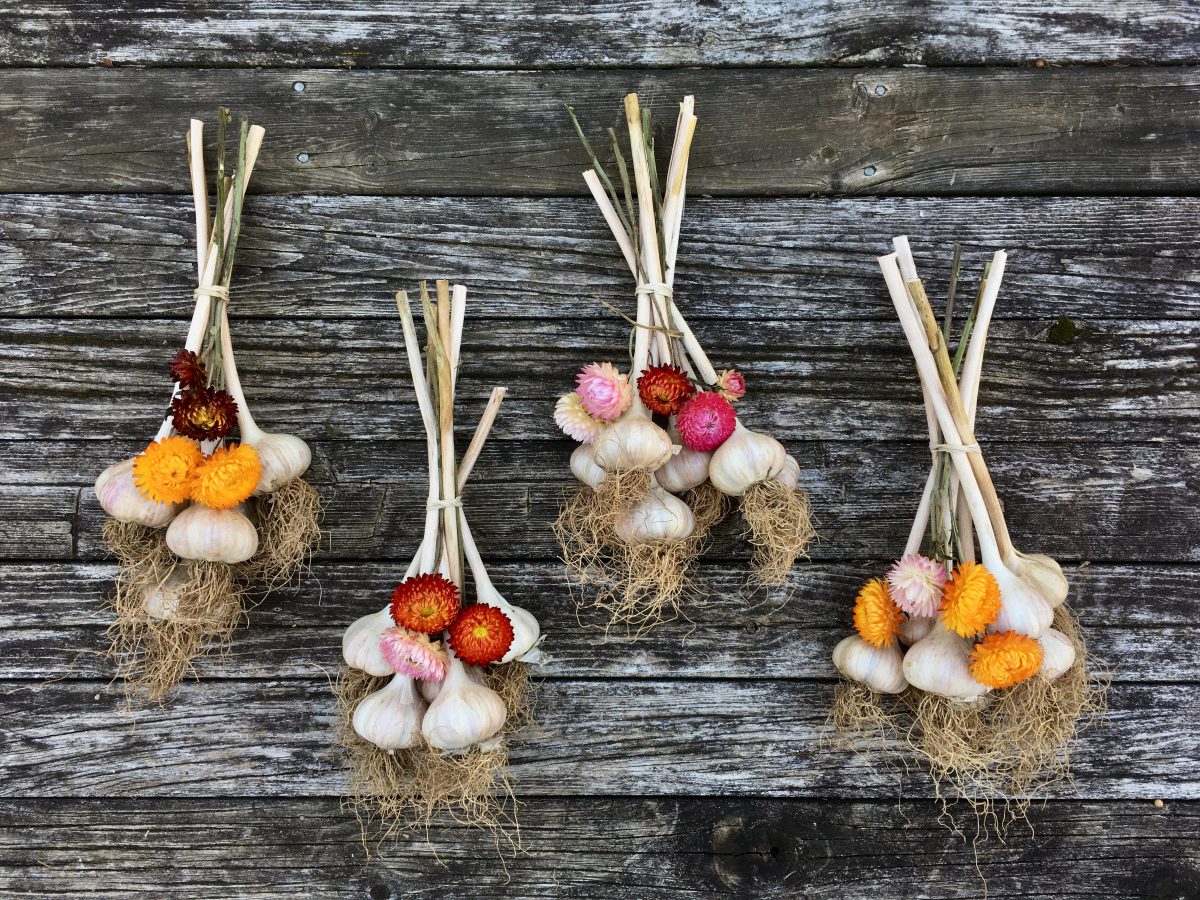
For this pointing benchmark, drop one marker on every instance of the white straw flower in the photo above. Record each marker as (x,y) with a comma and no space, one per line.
(574,420)
(916,584)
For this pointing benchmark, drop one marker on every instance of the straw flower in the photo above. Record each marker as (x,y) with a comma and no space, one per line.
(731,385)
(604,393)
(664,389)
(916,584)
(227,476)
(188,370)
(971,601)
(876,617)
(413,654)
(426,603)
(705,421)
(163,471)
(1006,658)
(481,634)
(575,421)
(204,414)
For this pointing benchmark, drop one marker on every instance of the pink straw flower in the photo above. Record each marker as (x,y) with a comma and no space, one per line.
(731,385)
(574,420)
(413,654)
(604,392)
(705,421)
(916,584)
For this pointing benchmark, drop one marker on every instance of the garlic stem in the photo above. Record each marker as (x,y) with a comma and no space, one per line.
(482,430)
(445,363)
(195,147)
(251,433)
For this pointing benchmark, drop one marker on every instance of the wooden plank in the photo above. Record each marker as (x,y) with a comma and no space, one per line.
(1118,380)
(429,132)
(35,522)
(132,256)
(1079,502)
(53,616)
(620,738)
(533,33)
(595,847)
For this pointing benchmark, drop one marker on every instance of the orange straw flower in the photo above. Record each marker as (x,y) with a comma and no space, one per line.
(971,601)
(1006,658)
(227,476)
(163,471)
(876,616)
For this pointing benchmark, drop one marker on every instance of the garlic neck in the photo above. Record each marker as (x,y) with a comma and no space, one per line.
(251,433)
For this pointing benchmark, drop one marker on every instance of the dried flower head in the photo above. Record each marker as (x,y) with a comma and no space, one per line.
(916,584)
(664,389)
(227,476)
(411,653)
(971,600)
(705,421)
(481,634)
(163,472)
(204,414)
(876,618)
(1006,658)
(574,420)
(604,393)
(426,603)
(187,369)
(731,385)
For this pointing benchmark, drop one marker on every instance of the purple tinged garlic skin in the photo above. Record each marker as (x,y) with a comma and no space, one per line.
(660,516)
(212,535)
(121,498)
(744,459)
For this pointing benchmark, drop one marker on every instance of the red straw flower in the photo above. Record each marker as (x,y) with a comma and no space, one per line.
(481,634)
(187,369)
(664,389)
(425,603)
(204,414)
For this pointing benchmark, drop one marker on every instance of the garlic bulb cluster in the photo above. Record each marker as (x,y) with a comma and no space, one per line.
(939,663)
(212,535)
(584,468)
(465,711)
(284,458)
(1058,654)
(391,717)
(659,516)
(744,459)
(880,668)
(121,498)
(360,643)
(634,441)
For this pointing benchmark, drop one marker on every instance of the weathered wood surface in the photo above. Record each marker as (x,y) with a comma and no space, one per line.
(664,849)
(894,131)
(535,33)
(784,259)
(728,632)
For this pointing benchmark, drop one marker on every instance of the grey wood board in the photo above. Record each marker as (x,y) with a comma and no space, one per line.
(436,132)
(664,849)
(1077,501)
(533,33)
(644,737)
(53,616)
(314,257)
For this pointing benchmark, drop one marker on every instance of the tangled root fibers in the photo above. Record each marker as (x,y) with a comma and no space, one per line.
(778,526)
(289,527)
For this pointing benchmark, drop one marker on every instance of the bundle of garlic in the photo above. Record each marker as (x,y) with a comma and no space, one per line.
(993,682)
(653,490)
(432,688)
(194,519)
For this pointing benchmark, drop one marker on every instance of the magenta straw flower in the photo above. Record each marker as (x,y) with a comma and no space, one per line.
(413,654)
(916,584)
(705,421)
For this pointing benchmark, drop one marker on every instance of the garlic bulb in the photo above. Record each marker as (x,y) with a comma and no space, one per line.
(214,535)
(464,713)
(526,629)
(879,668)
(632,442)
(1042,574)
(161,601)
(913,628)
(746,458)
(284,458)
(789,475)
(1058,653)
(122,500)
(429,689)
(584,468)
(685,470)
(360,643)
(390,717)
(938,663)
(658,517)
(1021,608)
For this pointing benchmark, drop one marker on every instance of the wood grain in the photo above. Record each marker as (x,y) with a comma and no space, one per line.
(534,33)
(669,848)
(763,131)
(787,259)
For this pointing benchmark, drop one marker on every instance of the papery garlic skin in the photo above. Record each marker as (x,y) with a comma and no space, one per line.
(121,498)
(526,629)
(744,459)
(429,690)
(391,717)
(939,663)
(632,442)
(913,628)
(789,475)
(684,471)
(1043,575)
(1021,608)
(657,517)
(1058,654)
(465,711)
(284,458)
(879,668)
(360,643)
(584,468)
(212,535)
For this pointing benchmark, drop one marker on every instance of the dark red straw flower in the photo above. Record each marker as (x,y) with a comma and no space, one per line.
(664,389)
(187,369)
(481,635)
(203,414)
